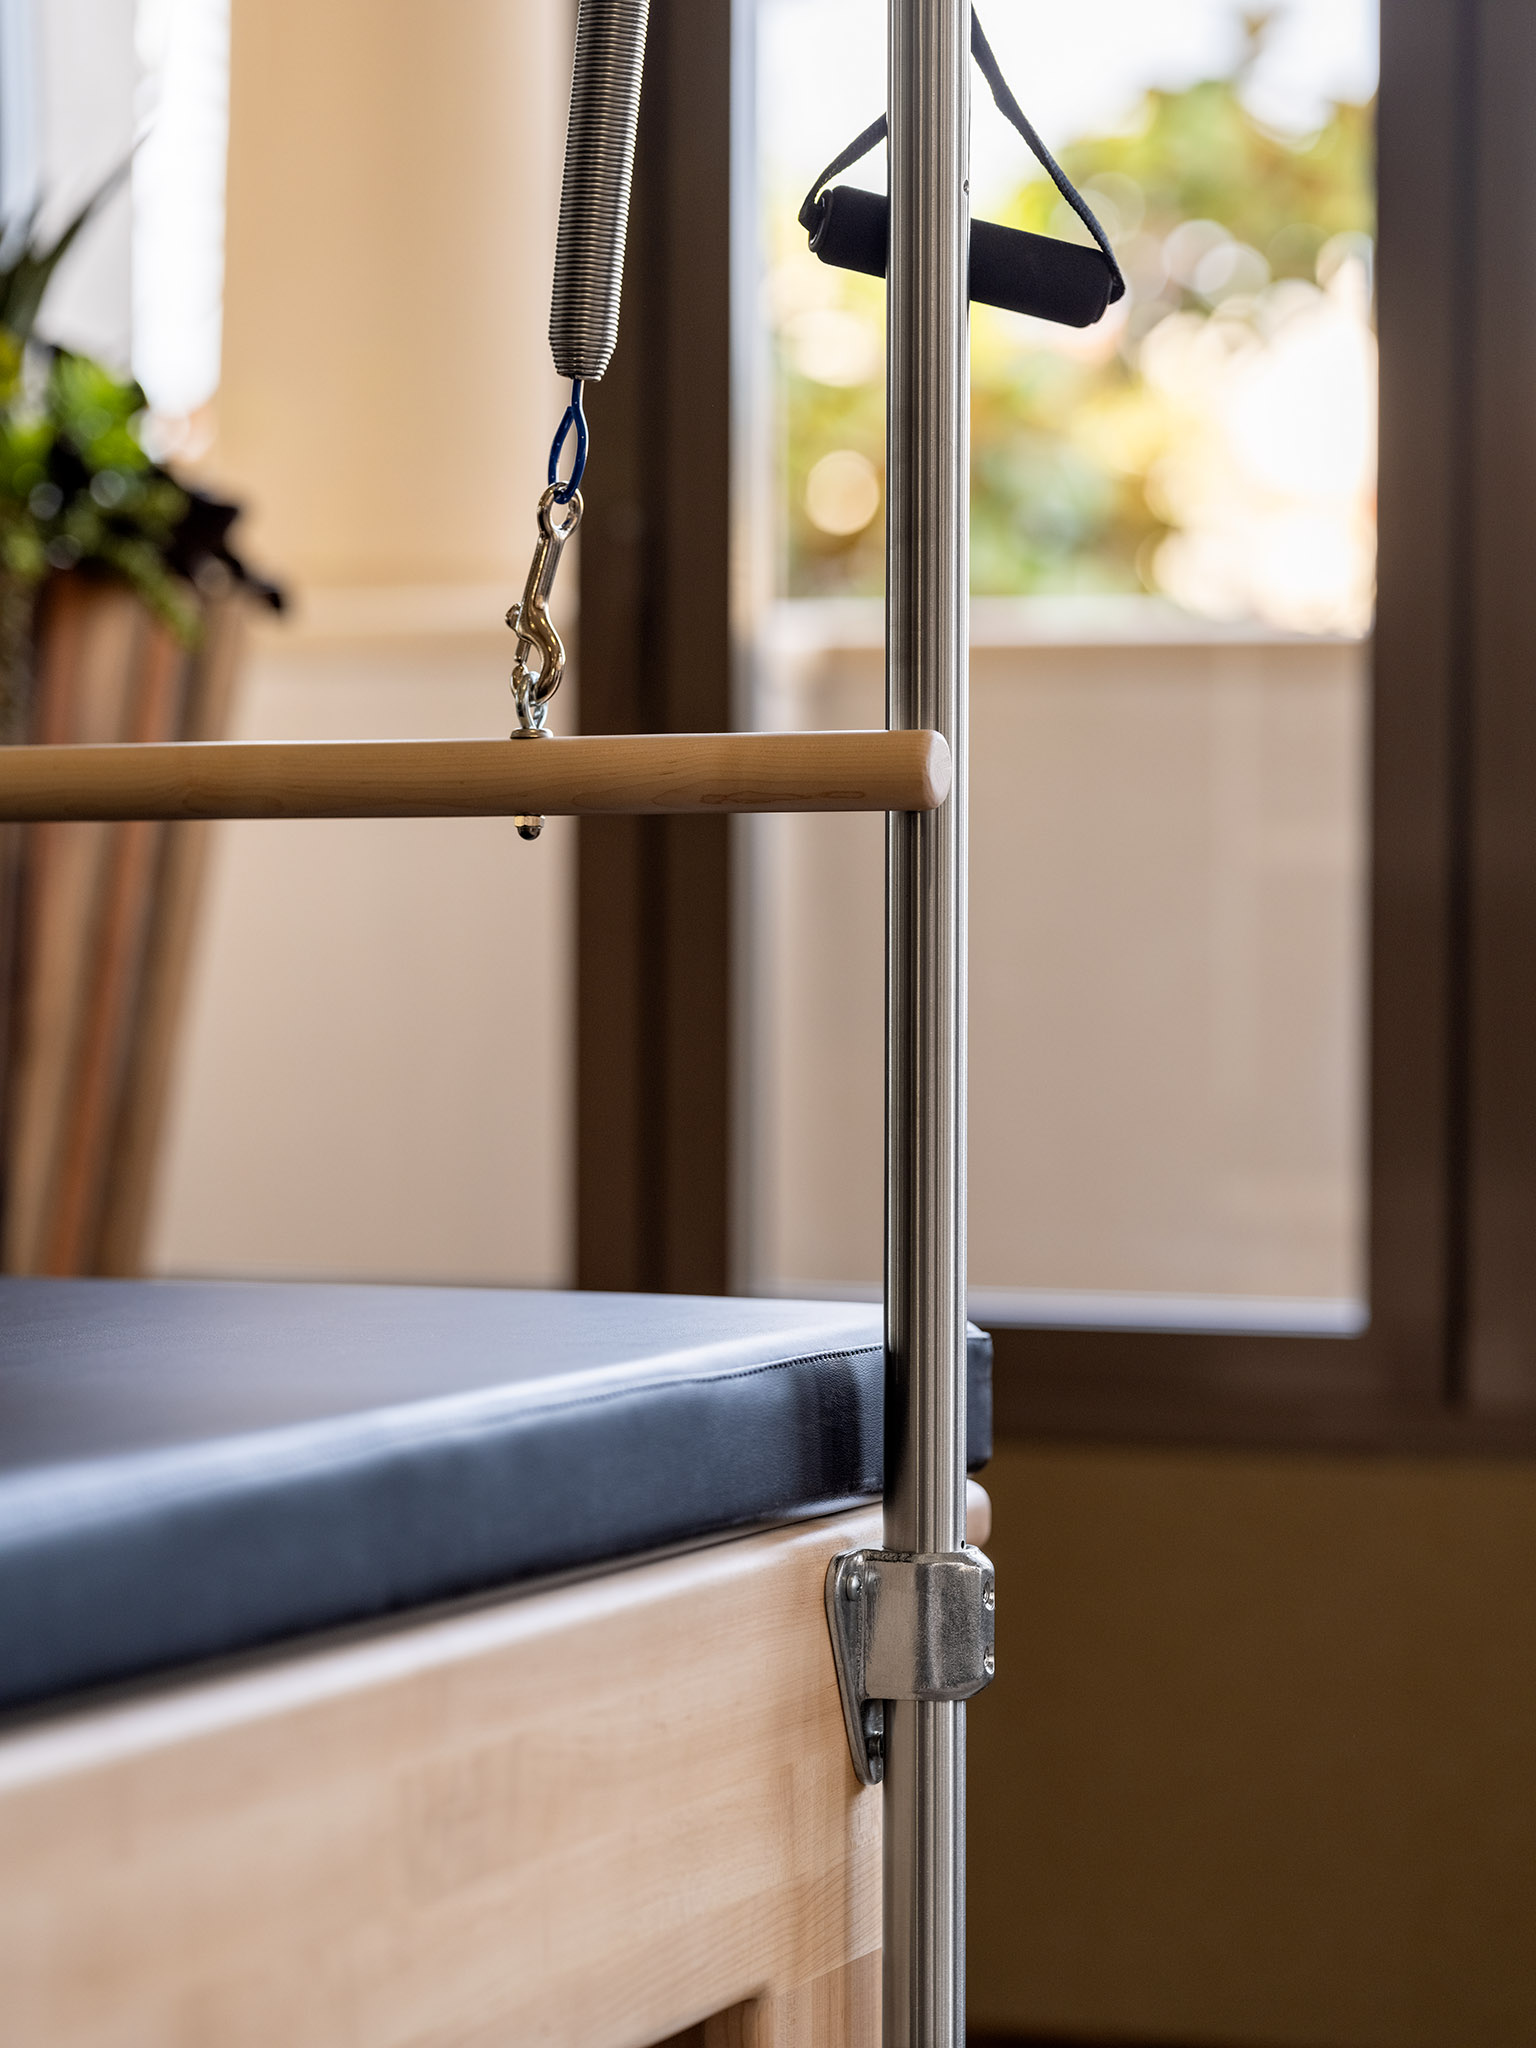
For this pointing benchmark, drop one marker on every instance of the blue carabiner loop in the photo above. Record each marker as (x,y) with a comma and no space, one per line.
(573,417)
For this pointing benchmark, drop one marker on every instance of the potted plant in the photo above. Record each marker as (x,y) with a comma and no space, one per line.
(79,492)
(115,623)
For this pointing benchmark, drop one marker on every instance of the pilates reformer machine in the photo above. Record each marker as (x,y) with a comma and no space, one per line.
(375,1665)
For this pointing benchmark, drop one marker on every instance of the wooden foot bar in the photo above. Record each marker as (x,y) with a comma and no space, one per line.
(549,776)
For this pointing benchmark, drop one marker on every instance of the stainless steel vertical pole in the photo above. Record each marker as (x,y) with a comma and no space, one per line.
(927,636)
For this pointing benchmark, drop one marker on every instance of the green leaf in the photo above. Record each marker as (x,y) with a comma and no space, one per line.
(26,276)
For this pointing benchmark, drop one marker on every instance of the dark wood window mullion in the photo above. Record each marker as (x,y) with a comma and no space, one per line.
(1499,289)
(1419,790)
(653,894)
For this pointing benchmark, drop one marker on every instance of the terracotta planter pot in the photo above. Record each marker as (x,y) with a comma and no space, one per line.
(95,924)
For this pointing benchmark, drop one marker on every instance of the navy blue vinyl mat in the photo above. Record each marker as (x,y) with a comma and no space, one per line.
(191,1469)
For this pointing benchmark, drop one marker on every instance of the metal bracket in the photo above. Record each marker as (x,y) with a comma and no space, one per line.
(906,1627)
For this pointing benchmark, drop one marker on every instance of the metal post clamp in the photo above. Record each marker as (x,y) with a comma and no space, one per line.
(906,1627)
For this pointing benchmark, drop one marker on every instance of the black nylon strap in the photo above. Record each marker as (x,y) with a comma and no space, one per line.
(1010,110)
(861,145)
(1013,113)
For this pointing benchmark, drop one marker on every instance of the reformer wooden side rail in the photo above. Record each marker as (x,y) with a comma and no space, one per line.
(637,773)
(391,1664)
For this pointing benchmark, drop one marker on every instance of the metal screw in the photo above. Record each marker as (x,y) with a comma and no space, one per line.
(989,1598)
(989,1664)
(853,1585)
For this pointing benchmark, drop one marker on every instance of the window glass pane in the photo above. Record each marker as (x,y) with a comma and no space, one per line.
(1172,569)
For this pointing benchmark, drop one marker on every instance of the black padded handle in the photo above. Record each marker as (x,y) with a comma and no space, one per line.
(1022,273)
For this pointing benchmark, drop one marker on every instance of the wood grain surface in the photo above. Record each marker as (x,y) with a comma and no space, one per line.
(599,1815)
(637,773)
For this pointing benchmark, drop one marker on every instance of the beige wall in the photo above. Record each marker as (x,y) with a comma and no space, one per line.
(393,186)
(1260,1763)
(375,1081)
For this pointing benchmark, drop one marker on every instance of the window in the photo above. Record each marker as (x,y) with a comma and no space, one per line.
(85,84)
(675,925)
(1173,552)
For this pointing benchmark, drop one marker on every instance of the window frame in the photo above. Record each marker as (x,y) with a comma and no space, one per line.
(1448,1359)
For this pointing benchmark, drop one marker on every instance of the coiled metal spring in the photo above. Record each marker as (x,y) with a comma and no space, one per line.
(594,195)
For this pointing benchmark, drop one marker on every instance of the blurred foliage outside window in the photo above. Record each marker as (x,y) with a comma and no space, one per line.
(1212,439)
